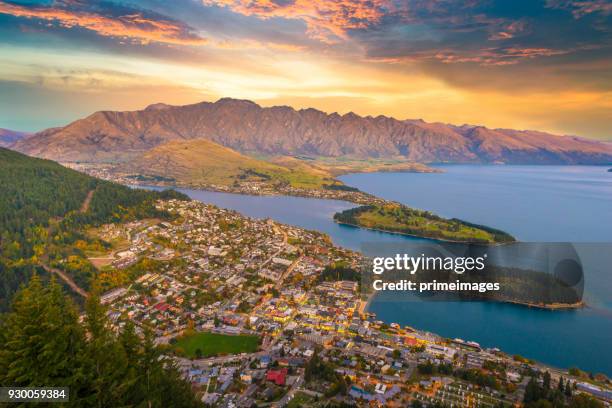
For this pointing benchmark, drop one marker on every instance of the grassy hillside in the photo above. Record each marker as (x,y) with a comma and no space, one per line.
(204,162)
(404,220)
(42,217)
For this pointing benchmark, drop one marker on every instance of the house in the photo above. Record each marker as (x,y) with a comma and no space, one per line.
(380,388)
(279,377)
(264,361)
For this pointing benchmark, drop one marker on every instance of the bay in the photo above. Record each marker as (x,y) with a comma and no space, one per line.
(534,203)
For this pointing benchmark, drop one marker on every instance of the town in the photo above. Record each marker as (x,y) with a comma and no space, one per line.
(258,313)
(252,187)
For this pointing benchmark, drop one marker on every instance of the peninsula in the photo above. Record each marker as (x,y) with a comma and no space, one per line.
(400,219)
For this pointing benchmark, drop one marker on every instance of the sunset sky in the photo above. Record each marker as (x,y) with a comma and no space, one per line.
(524,64)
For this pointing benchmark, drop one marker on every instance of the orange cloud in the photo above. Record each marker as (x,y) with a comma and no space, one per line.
(325,19)
(134,26)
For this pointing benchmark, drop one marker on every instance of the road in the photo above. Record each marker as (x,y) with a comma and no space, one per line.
(63,276)
(277,253)
(87,201)
(288,272)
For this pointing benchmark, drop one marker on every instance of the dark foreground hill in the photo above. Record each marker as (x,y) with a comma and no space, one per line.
(281,130)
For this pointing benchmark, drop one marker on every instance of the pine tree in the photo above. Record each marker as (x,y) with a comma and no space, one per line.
(106,358)
(149,368)
(41,338)
(568,389)
(131,346)
(546,383)
(42,343)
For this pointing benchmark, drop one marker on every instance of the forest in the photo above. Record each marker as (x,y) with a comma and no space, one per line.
(43,343)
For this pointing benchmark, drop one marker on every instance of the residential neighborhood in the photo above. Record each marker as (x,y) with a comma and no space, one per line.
(257,313)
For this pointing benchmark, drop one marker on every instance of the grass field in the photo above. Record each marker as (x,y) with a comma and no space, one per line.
(213,344)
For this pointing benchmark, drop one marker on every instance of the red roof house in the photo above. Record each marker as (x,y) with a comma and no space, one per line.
(277,376)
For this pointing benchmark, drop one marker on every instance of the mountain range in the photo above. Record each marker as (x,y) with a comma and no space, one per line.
(244,126)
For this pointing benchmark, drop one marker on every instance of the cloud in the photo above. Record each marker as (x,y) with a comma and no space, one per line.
(582,8)
(326,20)
(509,31)
(497,56)
(133,25)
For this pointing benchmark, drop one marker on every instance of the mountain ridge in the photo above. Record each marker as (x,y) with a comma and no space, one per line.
(242,125)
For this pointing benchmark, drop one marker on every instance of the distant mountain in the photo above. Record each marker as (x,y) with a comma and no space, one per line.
(281,130)
(8,137)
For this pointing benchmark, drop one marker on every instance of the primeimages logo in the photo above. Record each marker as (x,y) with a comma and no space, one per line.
(412,264)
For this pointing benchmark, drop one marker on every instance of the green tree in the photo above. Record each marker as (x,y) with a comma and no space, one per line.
(26,331)
(585,401)
(107,359)
(546,382)
(42,341)
(568,389)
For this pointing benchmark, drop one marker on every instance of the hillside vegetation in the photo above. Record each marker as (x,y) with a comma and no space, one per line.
(42,217)
(199,162)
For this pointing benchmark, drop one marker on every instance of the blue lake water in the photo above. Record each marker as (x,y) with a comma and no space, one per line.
(534,203)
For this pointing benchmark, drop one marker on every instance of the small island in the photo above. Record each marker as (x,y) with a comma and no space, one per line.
(397,218)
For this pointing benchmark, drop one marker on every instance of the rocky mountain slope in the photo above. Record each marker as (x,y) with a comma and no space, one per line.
(248,128)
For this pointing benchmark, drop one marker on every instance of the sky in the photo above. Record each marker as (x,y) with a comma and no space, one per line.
(522,64)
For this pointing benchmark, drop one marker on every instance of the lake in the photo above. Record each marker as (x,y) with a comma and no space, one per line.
(534,203)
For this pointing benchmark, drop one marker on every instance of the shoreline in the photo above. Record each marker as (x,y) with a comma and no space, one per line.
(552,306)
(280,194)
(365,304)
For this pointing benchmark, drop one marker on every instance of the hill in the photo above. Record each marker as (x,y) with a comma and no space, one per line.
(281,130)
(42,215)
(8,137)
(201,161)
